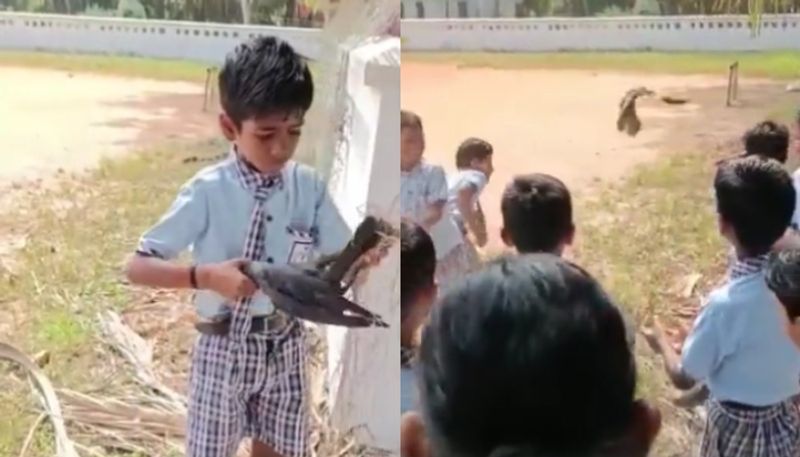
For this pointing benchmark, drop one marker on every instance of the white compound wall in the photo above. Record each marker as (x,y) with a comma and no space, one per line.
(364,364)
(205,42)
(657,33)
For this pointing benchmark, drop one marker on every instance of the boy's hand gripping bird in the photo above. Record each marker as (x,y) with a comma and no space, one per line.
(315,291)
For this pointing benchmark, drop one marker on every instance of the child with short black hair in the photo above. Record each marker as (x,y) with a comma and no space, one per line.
(525,358)
(771,140)
(537,218)
(248,373)
(767,139)
(537,214)
(457,252)
(417,294)
(737,346)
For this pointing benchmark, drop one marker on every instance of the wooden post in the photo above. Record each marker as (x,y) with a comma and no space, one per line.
(733,84)
(209,92)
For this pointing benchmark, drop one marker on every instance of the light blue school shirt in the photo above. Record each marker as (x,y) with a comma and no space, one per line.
(211,218)
(739,346)
(408,390)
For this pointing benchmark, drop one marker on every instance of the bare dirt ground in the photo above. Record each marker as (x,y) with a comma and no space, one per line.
(54,120)
(563,122)
(57,122)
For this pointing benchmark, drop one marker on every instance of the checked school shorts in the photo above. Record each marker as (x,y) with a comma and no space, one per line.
(270,406)
(770,432)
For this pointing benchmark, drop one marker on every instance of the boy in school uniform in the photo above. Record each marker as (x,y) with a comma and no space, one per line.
(537,218)
(417,293)
(248,375)
(458,255)
(738,347)
(494,380)
(423,186)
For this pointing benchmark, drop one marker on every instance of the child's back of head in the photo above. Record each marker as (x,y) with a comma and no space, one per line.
(767,139)
(476,154)
(417,269)
(755,202)
(528,357)
(537,214)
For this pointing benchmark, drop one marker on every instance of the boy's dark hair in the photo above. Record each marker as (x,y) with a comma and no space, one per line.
(526,357)
(783,278)
(768,139)
(264,76)
(472,149)
(417,264)
(756,197)
(410,120)
(537,212)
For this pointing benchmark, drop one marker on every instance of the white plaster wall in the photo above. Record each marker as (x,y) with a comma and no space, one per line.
(658,33)
(206,42)
(364,364)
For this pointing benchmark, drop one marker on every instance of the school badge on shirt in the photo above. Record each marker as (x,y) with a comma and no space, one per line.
(302,243)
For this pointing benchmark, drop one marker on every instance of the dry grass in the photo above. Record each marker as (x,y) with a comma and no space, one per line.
(646,240)
(76,236)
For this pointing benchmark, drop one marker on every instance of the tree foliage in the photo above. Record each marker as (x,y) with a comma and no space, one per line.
(270,12)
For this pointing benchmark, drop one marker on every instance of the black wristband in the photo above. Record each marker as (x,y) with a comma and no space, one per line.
(193,276)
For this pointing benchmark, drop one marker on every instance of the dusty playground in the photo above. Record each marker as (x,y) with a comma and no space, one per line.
(60,120)
(562,122)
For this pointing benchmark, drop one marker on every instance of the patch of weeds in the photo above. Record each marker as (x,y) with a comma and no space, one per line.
(642,239)
(773,64)
(79,233)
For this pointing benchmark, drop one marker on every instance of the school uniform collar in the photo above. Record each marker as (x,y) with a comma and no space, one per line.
(747,266)
(252,179)
(414,170)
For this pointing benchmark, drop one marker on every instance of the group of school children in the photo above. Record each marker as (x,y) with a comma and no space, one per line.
(528,355)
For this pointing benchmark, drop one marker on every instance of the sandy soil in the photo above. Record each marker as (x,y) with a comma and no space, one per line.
(563,122)
(53,120)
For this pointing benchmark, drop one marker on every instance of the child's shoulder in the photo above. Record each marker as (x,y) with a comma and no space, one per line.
(734,296)
(304,177)
(429,169)
(212,175)
(469,177)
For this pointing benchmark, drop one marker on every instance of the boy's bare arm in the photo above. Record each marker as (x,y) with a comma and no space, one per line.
(473,216)
(695,396)
(478,226)
(225,278)
(672,362)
